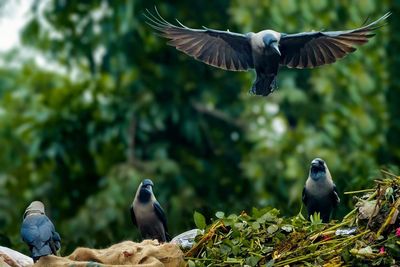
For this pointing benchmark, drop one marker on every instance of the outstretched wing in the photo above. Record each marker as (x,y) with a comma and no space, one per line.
(222,49)
(312,49)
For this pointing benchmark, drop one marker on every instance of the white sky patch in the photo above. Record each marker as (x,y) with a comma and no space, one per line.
(53,34)
(12,18)
(44,63)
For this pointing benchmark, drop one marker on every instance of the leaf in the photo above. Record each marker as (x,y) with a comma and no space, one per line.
(255,225)
(287,228)
(199,220)
(270,263)
(272,228)
(315,219)
(362,251)
(219,214)
(252,260)
(267,250)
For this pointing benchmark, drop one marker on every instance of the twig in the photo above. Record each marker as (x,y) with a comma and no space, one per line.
(389,218)
(329,230)
(358,191)
(390,174)
(204,239)
(320,252)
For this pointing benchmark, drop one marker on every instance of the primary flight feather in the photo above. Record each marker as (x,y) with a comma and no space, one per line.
(264,51)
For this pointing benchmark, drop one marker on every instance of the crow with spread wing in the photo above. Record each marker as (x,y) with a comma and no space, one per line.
(264,51)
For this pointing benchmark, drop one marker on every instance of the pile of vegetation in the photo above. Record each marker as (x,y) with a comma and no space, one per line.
(368,235)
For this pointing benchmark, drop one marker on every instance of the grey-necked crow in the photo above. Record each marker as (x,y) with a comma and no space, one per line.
(264,51)
(319,193)
(147,213)
(38,232)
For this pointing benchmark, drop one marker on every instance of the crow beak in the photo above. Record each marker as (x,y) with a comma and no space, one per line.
(275,47)
(315,165)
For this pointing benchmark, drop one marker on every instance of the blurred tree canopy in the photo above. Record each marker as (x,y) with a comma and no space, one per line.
(93,102)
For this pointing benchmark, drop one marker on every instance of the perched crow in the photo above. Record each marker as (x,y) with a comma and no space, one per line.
(38,232)
(147,213)
(263,51)
(319,193)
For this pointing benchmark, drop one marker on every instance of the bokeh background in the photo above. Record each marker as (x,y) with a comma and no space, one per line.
(91,102)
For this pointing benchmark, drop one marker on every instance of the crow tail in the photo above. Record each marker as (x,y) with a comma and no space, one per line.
(264,85)
(53,247)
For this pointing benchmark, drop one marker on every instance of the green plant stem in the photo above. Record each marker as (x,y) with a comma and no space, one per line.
(384,241)
(389,217)
(358,191)
(344,222)
(200,259)
(320,252)
(256,254)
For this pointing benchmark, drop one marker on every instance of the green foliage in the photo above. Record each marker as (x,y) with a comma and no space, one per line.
(113,104)
(316,221)
(264,238)
(199,220)
(247,238)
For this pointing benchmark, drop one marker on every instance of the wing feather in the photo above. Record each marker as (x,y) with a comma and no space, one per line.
(160,214)
(319,55)
(313,57)
(304,196)
(329,57)
(313,49)
(222,49)
(335,196)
